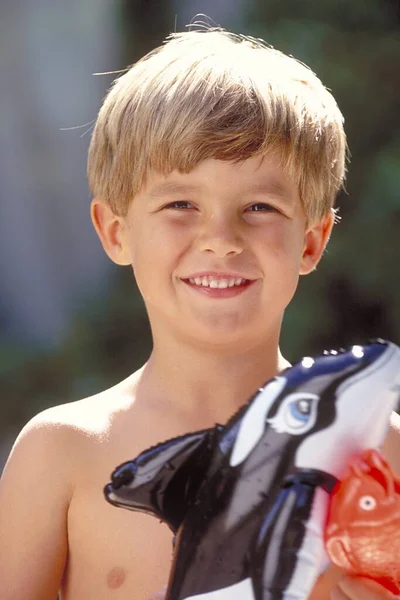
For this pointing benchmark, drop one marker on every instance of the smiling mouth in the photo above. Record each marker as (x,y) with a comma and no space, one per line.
(221,288)
(220,283)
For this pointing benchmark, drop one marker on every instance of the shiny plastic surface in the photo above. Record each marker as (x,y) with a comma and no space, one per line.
(363,527)
(248,500)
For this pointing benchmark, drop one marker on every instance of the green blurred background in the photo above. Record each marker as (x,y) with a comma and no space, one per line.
(71,322)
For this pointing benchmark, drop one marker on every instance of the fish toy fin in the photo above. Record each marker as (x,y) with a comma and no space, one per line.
(376,464)
(164,479)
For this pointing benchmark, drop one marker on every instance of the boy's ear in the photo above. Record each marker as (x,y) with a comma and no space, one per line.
(315,241)
(110,228)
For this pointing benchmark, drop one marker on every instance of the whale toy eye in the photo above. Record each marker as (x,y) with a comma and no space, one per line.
(296,415)
(298,412)
(367,502)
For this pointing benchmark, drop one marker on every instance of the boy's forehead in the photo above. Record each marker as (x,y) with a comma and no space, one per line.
(254,176)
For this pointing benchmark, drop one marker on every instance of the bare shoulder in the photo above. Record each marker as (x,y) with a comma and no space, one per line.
(65,431)
(91,416)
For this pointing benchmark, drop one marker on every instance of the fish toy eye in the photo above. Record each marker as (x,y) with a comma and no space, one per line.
(296,415)
(367,502)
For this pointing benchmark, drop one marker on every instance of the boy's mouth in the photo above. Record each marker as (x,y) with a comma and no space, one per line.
(218,287)
(220,283)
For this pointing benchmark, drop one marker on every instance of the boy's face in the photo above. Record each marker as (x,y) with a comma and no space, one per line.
(239,227)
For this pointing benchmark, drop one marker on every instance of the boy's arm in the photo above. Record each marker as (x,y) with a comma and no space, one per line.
(35,489)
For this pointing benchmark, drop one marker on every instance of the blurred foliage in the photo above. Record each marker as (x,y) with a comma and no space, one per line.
(354,295)
(104,344)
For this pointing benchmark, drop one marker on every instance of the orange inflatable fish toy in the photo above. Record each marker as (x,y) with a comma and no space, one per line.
(362,534)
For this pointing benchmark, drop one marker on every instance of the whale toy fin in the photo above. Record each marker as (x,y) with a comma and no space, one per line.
(289,555)
(164,479)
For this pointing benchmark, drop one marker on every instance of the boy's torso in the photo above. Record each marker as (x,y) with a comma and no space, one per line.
(116,553)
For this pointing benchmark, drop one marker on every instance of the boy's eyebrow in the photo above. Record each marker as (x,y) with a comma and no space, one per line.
(272,187)
(171,187)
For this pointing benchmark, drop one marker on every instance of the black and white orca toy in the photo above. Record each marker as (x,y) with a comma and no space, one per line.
(248,500)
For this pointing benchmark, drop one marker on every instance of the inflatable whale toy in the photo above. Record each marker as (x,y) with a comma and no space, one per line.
(247,501)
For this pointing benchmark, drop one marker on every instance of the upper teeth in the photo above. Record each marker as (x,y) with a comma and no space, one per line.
(216,283)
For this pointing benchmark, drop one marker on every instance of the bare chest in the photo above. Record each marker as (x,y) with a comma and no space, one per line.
(118,554)
(113,553)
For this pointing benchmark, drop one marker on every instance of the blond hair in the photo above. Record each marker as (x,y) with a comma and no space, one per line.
(214,94)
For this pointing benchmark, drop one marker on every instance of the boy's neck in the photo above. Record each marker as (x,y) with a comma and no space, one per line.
(201,388)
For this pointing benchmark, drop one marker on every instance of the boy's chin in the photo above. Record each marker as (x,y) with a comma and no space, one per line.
(227,340)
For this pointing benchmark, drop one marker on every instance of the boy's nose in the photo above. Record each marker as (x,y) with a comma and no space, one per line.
(221,239)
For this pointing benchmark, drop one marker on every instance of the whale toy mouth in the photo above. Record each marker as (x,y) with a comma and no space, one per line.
(123,475)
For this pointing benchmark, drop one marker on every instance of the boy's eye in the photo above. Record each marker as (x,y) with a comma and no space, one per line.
(262,207)
(179,204)
(258,207)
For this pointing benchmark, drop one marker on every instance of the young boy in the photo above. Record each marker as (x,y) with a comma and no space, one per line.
(214,166)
